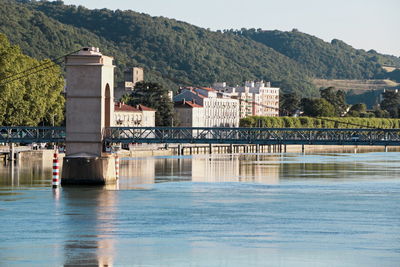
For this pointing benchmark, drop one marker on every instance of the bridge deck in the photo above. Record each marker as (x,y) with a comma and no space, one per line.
(372,137)
(28,135)
(253,136)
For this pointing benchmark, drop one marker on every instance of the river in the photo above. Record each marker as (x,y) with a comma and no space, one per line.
(322,209)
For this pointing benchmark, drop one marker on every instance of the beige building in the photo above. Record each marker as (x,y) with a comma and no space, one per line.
(128,116)
(211,108)
(190,114)
(256,98)
(131,78)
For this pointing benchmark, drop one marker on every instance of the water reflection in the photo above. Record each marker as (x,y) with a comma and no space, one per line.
(213,221)
(26,173)
(90,215)
(203,168)
(141,173)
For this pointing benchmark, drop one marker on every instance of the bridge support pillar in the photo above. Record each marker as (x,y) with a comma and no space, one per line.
(386,148)
(257,148)
(231,149)
(89,110)
(302,149)
(180,150)
(12,152)
(88,170)
(210,148)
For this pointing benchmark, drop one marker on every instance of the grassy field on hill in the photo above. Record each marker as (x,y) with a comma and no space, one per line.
(356,85)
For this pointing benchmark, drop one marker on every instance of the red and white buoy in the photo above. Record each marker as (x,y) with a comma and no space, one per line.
(117,167)
(56,170)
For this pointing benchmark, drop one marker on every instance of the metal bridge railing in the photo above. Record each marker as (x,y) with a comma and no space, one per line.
(203,135)
(252,135)
(21,134)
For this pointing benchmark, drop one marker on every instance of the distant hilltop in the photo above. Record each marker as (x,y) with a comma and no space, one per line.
(176,53)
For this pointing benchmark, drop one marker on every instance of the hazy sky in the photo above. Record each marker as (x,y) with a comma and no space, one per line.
(367,24)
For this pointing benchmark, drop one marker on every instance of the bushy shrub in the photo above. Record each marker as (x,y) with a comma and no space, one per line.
(309,122)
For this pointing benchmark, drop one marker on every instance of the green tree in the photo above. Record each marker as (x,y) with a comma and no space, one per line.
(317,107)
(154,96)
(360,107)
(391,102)
(289,103)
(357,110)
(337,98)
(380,113)
(33,96)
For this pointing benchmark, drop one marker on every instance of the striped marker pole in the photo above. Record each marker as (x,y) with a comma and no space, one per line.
(56,171)
(117,167)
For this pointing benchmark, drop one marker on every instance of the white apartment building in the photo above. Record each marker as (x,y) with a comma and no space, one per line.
(205,107)
(256,98)
(128,116)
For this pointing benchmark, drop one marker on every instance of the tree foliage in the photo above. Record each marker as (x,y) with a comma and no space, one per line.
(154,96)
(175,53)
(308,122)
(317,107)
(172,53)
(289,103)
(28,99)
(337,98)
(334,60)
(391,103)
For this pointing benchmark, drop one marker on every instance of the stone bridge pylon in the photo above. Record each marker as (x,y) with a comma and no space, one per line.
(89,110)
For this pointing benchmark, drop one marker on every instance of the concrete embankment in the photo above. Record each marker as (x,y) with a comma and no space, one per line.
(46,156)
(190,149)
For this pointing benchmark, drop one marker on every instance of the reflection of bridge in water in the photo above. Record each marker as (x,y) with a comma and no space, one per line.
(267,136)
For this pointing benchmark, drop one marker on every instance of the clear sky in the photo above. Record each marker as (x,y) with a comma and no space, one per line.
(366,24)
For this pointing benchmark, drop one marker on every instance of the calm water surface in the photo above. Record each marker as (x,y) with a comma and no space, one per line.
(332,209)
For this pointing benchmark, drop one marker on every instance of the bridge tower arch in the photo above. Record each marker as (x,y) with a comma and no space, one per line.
(107,106)
(89,110)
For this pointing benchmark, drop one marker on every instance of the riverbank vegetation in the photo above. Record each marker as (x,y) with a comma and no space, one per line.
(30,90)
(323,122)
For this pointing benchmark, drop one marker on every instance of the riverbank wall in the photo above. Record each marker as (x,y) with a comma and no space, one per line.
(190,149)
(46,156)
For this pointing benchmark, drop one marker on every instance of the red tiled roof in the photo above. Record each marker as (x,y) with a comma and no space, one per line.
(144,108)
(193,105)
(207,88)
(124,107)
(189,104)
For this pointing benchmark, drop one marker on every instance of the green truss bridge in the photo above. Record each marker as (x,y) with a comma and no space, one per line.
(263,136)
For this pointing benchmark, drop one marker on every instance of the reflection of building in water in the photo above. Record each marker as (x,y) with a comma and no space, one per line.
(235,169)
(217,168)
(153,170)
(25,173)
(264,170)
(137,171)
(89,216)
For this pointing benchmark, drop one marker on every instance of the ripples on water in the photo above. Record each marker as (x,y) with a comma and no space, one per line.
(333,209)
